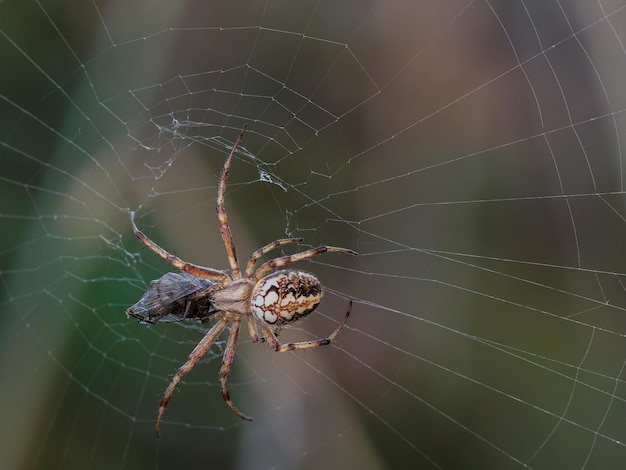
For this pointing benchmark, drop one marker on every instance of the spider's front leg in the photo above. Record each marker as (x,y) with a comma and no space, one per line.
(222,216)
(199,351)
(193,269)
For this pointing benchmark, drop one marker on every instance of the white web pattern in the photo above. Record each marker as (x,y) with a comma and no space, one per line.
(471,153)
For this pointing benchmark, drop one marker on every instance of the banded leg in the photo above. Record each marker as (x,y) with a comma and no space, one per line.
(227,360)
(269,247)
(227,235)
(283,260)
(253,331)
(271,337)
(193,269)
(197,353)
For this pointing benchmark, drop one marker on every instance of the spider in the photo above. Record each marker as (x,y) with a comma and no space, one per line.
(265,298)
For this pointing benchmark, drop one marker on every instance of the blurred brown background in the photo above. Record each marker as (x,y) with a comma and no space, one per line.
(472,154)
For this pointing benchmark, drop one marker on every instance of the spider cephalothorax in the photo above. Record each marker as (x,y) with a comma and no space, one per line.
(265,298)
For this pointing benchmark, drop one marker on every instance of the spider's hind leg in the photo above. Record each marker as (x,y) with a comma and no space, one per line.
(253,331)
(278,347)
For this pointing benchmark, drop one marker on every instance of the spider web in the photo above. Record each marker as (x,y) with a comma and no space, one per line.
(471,152)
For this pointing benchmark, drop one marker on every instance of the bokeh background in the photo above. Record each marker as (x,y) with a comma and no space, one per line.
(471,152)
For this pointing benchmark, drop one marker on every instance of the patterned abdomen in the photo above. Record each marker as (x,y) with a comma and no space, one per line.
(285,296)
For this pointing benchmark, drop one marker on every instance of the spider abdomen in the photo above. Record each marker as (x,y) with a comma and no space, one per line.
(285,296)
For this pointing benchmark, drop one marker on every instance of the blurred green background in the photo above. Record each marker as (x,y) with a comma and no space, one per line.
(471,153)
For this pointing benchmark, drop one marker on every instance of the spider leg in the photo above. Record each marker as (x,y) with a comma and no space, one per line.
(271,337)
(253,331)
(227,236)
(261,251)
(193,269)
(283,260)
(229,355)
(199,351)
